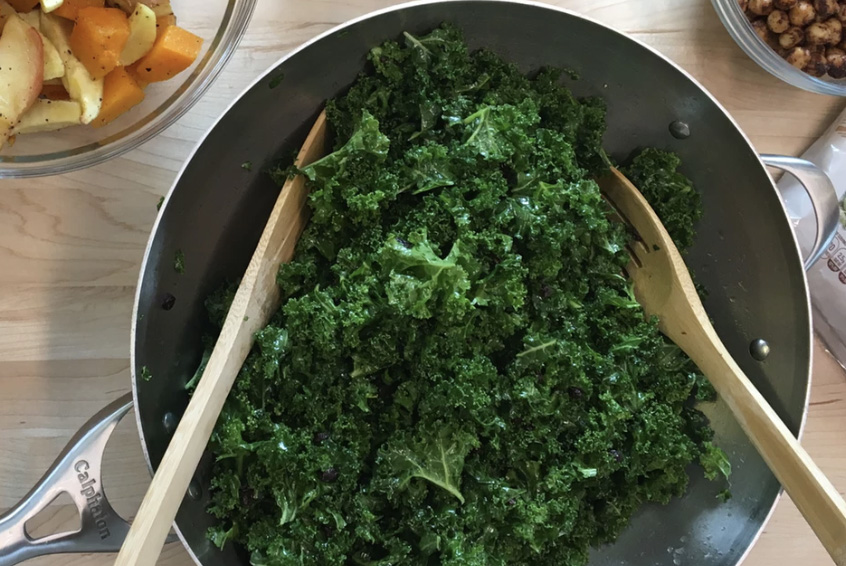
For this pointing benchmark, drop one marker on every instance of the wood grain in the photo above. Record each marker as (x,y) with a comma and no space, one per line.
(71,247)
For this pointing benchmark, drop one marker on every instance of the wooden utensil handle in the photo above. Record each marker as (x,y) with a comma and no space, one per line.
(817,499)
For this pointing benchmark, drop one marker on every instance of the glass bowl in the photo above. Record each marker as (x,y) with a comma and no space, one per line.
(221,24)
(741,30)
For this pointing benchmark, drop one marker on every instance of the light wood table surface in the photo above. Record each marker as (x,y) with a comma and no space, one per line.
(71,247)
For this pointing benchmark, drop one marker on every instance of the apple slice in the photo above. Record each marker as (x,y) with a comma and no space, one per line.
(48,115)
(50,5)
(142,35)
(54,67)
(21,72)
(79,83)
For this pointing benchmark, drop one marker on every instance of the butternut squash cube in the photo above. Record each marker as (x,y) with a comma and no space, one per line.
(174,51)
(98,38)
(120,93)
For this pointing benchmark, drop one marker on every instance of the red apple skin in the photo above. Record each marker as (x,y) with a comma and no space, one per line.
(38,62)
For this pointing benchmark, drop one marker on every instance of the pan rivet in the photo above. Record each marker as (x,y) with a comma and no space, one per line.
(759,349)
(679,130)
(194,490)
(169,422)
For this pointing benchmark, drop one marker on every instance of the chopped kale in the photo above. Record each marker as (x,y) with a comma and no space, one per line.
(247,166)
(654,173)
(145,373)
(160,203)
(715,462)
(459,373)
(276,80)
(179,262)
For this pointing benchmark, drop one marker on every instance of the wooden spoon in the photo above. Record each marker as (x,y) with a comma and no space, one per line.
(663,286)
(255,302)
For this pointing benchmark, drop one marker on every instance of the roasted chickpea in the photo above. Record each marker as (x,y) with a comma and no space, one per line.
(761,7)
(817,34)
(767,36)
(802,14)
(817,66)
(835,59)
(778,21)
(799,57)
(826,8)
(808,34)
(836,68)
(791,38)
(829,32)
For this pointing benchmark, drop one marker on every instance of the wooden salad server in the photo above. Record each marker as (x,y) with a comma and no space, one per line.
(663,286)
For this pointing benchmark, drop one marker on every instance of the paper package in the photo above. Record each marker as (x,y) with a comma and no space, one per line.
(827,277)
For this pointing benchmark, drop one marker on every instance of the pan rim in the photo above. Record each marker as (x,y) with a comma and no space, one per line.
(415,3)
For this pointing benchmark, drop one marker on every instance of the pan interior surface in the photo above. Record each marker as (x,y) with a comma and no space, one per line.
(217,209)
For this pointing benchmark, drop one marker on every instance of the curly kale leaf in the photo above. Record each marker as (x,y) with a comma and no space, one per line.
(671,194)
(367,141)
(497,133)
(437,459)
(715,462)
(420,282)
(429,168)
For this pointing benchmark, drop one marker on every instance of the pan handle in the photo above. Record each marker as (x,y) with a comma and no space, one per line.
(823,199)
(78,472)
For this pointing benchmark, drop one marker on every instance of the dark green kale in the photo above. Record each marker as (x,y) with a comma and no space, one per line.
(218,303)
(179,262)
(671,194)
(459,373)
(276,80)
(715,462)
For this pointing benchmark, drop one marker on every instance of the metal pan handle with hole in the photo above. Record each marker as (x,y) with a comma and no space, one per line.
(76,472)
(823,197)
